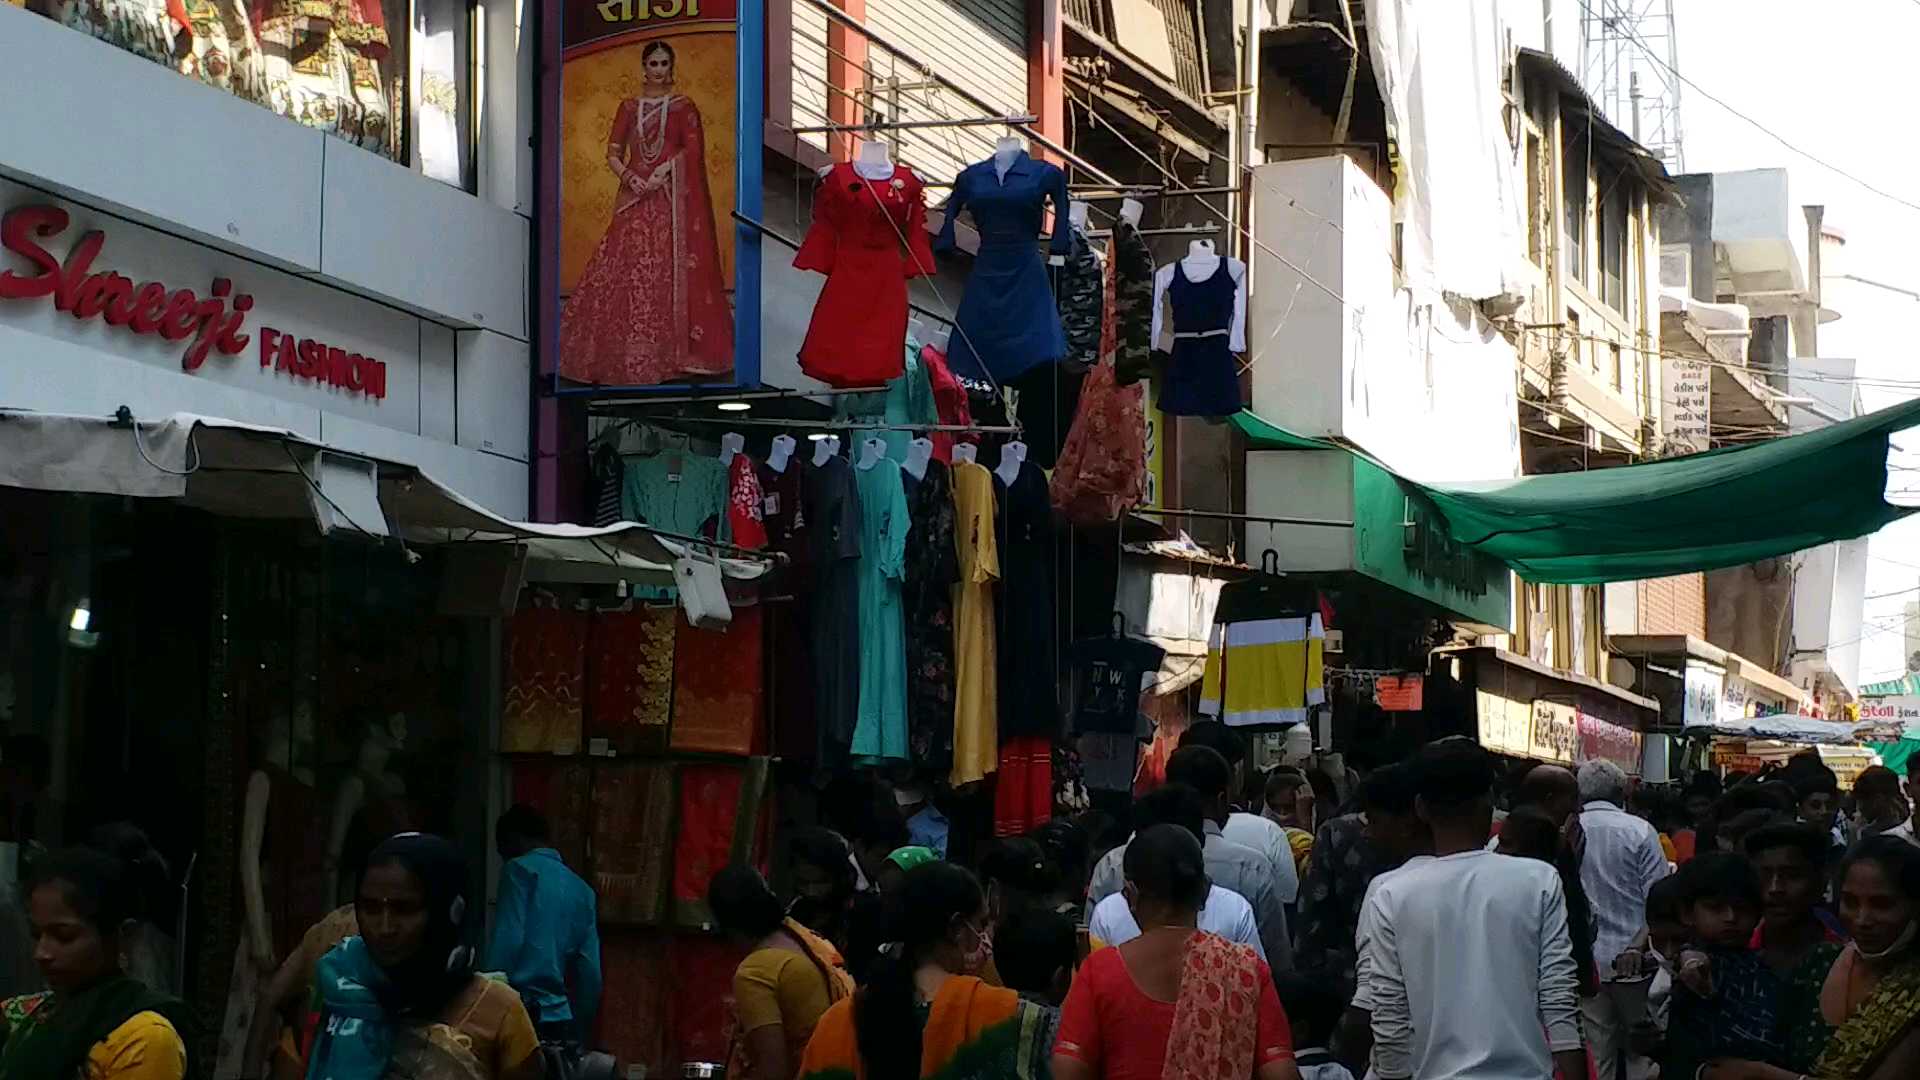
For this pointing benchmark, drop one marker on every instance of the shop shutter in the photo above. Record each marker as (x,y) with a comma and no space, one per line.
(978,44)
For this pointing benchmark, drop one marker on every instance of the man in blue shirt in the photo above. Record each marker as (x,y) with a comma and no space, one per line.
(546,932)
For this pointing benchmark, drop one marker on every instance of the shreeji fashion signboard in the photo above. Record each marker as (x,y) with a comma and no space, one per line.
(654,144)
(127,289)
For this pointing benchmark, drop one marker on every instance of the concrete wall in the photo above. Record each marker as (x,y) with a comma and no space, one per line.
(354,249)
(1750,611)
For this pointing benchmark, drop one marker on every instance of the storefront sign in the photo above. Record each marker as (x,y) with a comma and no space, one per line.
(209,323)
(649,257)
(1687,387)
(1601,740)
(1431,551)
(1904,711)
(1506,727)
(1555,732)
(1399,693)
(1701,702)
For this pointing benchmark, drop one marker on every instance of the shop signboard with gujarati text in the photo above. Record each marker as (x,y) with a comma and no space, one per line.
(1555,732)
(1602,740)
(648,143)
(1399,693)
(1903,711)
(1506,726)
(1703,691)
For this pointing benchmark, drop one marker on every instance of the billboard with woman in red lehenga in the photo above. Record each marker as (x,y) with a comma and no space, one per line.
(647,146)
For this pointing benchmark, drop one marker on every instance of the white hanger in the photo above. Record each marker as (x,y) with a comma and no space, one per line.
(919,452)
(872,452)
(824,449)
(916,330)
(942,335)
(730,444)
(780,453)
(965,453)
(1012,456)
(872,161)
(1077,214)
(1130,211)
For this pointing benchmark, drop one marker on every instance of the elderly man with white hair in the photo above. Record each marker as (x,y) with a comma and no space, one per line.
(1623,860)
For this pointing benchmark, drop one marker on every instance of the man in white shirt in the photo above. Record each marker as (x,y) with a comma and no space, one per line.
(1905,830)
(1623,860)
(1248,830)
(1225,913)
(1469,966)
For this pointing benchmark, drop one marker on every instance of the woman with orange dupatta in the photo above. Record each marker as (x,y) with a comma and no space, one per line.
(924,1012)
(785,984)
(1175,1003)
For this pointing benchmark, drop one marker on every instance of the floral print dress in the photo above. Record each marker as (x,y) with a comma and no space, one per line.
(933,568)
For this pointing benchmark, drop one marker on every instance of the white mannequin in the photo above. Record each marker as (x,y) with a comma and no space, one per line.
(1012,456)
(919,452)
(369,774)
(279,752)
(916,330)
(824,449)
(730,444)
(942,335)
(1201,260)
(1130,211)
(1004,153)
(1201,263)
(872,161)
(780,453)
(1077,214)
(871,453)
(965,452)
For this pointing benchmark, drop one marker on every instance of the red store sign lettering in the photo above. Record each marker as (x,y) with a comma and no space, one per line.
(210,323)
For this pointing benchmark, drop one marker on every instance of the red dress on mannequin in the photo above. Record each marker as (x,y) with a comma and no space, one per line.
(868,237)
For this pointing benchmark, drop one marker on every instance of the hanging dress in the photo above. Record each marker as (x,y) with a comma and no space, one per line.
(908,399)
(880,733)
(322,67)
(869,237)
(834,524)
(1007,322)
(949,403)
(1133,304)
(933,569)
(1103,467)
(976,717)
(1028,654)
(790,634)
(651,304)
(1202,379)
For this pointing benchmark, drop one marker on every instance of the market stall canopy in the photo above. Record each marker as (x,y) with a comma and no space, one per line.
(246,470)
(1904,686)
(1659,518)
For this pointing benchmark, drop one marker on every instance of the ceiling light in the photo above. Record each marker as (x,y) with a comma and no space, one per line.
(819,436)
(733,406)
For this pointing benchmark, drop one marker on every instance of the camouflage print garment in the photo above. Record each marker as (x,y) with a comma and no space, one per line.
(1077,289)
(1133,304)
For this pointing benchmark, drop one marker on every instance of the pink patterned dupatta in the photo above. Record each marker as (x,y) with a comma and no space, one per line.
(1216,1019)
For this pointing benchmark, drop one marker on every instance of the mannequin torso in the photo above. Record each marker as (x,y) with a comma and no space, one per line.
(1012,456)
(730,444)
(824,449)
(871,452)
(781,453)
(919,452)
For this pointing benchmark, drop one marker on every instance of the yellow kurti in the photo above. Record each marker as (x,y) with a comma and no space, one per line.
(144,1048)
(976,714)
(1264,671)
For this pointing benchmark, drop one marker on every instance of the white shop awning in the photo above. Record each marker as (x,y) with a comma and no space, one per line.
(246,470)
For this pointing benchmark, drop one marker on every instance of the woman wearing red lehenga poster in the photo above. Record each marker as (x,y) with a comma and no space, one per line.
(651,306)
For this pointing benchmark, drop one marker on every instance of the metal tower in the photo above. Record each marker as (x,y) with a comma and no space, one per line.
(1630,65)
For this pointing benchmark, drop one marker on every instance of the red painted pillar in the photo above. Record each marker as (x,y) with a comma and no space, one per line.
(846,75)
(1046,79)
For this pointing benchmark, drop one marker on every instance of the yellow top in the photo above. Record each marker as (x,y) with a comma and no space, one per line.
(1264,671)
(976,709)
(780,986)
(144,1048)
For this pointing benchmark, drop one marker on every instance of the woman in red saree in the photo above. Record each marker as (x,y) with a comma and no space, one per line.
(651,305)
(1175,1003)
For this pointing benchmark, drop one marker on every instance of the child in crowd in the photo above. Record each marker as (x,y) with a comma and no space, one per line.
(1313,1007)
(1725,998)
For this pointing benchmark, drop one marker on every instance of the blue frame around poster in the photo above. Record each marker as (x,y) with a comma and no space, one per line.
(750,33)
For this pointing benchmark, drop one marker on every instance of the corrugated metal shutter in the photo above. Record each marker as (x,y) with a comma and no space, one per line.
(978,44)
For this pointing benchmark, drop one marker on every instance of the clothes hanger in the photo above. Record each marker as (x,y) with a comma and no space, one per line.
(919,453)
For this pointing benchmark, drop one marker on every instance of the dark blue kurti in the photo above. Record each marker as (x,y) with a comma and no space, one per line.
(1007,322)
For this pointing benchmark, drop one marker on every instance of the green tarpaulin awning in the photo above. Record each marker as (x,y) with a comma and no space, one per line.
(1903,686)
(1700,512)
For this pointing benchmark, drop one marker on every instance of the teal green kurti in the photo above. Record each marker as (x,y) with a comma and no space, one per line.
(906,400)
(881,731)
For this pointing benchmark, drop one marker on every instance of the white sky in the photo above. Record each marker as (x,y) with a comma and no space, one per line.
(1839,81)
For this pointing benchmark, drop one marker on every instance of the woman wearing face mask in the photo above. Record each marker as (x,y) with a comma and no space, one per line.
(401,1001)
(94,1022)
(1175,1002)
(923,1011)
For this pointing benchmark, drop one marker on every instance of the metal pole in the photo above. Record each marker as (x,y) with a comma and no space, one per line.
(754,395)
(968,96)
(819,425)
(1228,515)
(902,125)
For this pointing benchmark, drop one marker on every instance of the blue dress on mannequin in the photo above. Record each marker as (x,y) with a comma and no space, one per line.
(1008,321)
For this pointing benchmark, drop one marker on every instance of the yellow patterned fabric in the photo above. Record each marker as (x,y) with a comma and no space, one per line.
(1875,1027)
(1264,671)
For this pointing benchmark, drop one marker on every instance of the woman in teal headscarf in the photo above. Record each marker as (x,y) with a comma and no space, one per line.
(94,1021)
(402,999)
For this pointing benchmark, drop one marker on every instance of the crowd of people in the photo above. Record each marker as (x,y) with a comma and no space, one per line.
(1442,922)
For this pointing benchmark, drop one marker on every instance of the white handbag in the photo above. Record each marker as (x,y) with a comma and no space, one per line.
(703,596)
